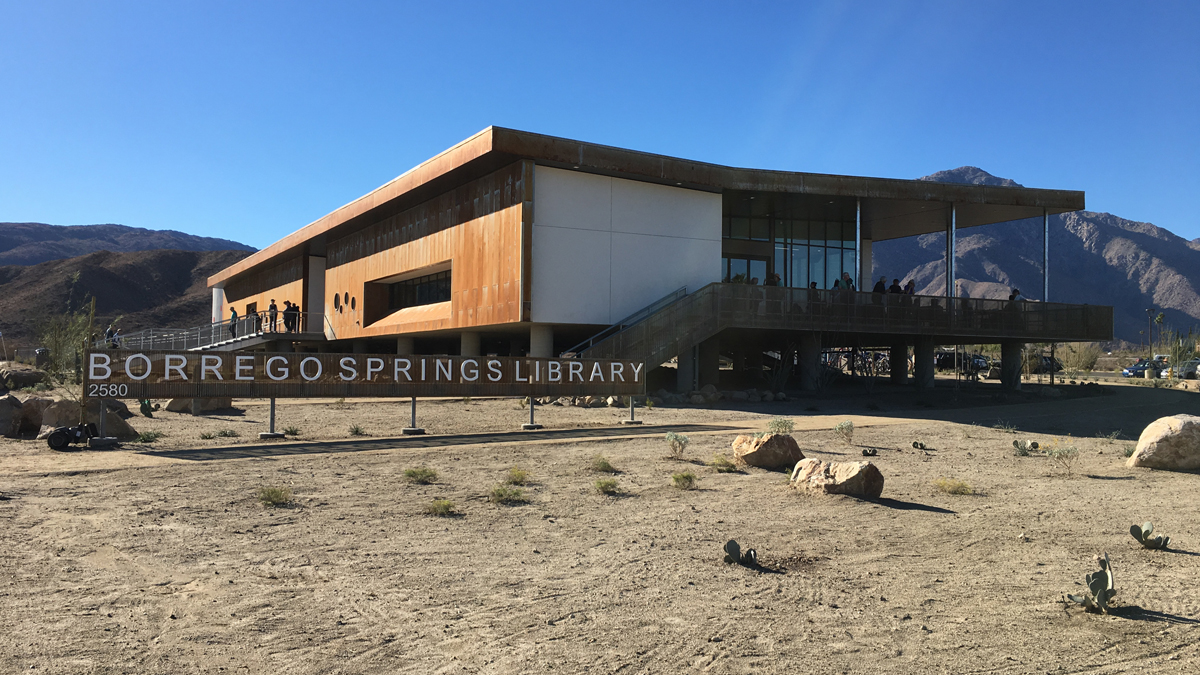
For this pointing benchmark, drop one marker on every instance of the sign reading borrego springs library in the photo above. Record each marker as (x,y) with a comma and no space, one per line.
(160,374)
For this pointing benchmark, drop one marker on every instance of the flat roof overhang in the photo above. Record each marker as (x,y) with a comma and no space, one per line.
(891,208)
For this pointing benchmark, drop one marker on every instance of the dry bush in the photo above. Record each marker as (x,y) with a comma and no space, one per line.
(440,507)
(684,481)
(722,464)
(275,496)
(422,475)
(600,464)
(676,444)
(506,494)
(781,425)
(516,476)
(846,431)
(607,486)
(953,486)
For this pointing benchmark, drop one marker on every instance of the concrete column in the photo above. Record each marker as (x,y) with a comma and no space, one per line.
(404,345)
(808,353)
(923,363)
(899,360)
(685,373)
(470,344)
(218,305)
(868,279)
(358,347)
(1011,360)
(541,341)
(314,300)
(710,362)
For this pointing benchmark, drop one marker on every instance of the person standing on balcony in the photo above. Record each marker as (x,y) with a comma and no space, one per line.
(895,288)
(233,322)
(272,314)
(879,290)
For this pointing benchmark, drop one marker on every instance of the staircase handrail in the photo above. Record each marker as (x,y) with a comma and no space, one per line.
(621,325)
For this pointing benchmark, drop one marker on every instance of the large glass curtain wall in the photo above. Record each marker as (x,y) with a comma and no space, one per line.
(799,237)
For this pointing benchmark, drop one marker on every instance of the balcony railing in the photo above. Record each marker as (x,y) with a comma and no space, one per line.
(718,306)
(211,335)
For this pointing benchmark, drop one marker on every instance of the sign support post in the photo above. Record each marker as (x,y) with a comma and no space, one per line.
(270,434)
(531,425)
(412,429)
(632,419)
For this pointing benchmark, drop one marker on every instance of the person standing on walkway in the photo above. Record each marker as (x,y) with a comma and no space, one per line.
(272,313)
(233,317)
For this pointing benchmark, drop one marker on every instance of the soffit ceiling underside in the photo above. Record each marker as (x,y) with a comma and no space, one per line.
(884,219)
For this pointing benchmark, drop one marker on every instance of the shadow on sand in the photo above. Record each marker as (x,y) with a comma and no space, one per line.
(907,506)
(1135,613)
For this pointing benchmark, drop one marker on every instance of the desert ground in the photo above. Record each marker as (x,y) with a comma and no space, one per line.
(160,558)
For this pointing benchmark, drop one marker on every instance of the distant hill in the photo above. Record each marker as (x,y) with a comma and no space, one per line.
(33,243)
(150,289)
(1095,258)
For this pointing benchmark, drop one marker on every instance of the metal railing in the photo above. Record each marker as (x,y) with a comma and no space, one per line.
(673,296)
(719,306)
(214,334)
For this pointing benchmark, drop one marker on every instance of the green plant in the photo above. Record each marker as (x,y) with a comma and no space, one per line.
(516,476)
(1100,588)
(1109,437)
(291,431)
(1024,448)
(1129,450)
(421,475)
(440,507)
(845,430)
(684,481)
(607,486)
(953,486)
(466,399)
(274,496)
(1005,426)
(227,433)
(781,425)
(1145,535)
(1065,456)
(649,403)
(357,430)
(676,444)
(601,464)
(148,436)
(207,435)
(722,464)
(523,402)
(505,494)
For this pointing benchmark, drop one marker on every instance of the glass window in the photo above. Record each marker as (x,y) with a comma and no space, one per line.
(799,232)
(737,270)
(783,230)
(799,271)
(848,263)
(725,227)
(848,235)
(760,229)
(816,234)
(781,251)
(833,234)
(424,290)
(739,228)
(816,266)
(758,270)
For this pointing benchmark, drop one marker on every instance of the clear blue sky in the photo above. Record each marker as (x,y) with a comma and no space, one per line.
(247,120)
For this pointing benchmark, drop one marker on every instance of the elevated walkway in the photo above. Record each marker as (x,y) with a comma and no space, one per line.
(847,319)
(248,332)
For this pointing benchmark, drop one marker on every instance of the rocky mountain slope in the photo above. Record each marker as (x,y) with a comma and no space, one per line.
(149,289)
(33,243)
(1095,258)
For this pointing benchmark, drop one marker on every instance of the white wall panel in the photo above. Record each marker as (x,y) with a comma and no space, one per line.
(605,247)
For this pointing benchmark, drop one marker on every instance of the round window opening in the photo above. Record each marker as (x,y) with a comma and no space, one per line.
(353,303)
(337,301)
(345,298)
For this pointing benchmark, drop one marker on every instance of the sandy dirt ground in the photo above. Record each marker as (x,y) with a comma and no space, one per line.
(159,558)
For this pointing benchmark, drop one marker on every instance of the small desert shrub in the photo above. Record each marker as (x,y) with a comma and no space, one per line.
(676,443)
(649,404)
(1065,457)
(148,436)
(516,476)
(722,464)
(274,496)
(440,507)
(523,402)
(1005,426)
(207,436)
(421,475)
(357,430)
(781,425)
(846,431)
(953,486)
(506,494)
(600,464)
(291,431)
(1129,450)
(466,399)
(684,481)
(1111,438)
(607,486)
(227,433)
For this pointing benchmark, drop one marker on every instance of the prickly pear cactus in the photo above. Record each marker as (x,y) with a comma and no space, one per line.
(1100,588)
(733,552)
(1144,535)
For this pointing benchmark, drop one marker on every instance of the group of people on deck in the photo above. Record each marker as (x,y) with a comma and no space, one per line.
(291,318)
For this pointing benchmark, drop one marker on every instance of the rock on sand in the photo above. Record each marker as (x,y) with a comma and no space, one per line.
(1169,443)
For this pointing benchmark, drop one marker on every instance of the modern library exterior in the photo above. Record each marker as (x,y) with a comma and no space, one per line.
(512,243)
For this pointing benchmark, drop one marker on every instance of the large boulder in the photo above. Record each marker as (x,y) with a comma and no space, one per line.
(10,415)
(20,376)
(769,451)
(206,404)
(65,413)
(860,479)
(1170,443)
(30,418)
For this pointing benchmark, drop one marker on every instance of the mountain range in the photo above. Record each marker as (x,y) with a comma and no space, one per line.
(1095,258)
(33,243)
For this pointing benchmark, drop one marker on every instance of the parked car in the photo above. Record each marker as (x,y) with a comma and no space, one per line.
(1185,370)
(967,363)
(1049,364)
(1139,369)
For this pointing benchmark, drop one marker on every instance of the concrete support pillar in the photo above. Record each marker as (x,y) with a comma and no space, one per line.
(898,357)
(314,296)
(218,305)
(1011,360)
(358,347)
(470,344)
(710,362)
(404,345)
(541,341)
(923,363)
(685,373)
(868,280)
(808,353)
